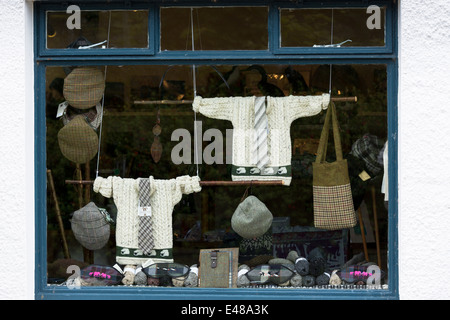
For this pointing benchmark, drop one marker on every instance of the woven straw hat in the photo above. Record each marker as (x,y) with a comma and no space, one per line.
(84,87)
(90,227)
(78,141)
(251,219)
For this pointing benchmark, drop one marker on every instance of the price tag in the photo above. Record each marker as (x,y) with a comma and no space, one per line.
(145,211)
(364,175)
(61,108)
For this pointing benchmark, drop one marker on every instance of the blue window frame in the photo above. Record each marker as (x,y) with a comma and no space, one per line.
(152,55)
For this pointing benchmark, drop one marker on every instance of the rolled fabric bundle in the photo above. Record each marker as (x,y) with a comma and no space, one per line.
(165,281)
(128,274)
(178,281)
(192,278)
(242,280)
(334,279)
(308,280)
(292,256)
(323,279)
(282,261)
(140,278)
(301,264)
(296,280)
(152,281)
(285,284)
(317,261)
(357,258)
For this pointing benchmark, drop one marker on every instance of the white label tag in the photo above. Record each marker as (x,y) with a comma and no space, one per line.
(61,108)
(364,175)
(145,211)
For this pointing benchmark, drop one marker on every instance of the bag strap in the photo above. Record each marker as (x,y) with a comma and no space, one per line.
(322,149)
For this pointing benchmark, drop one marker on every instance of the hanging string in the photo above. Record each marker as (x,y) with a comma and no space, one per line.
(332,31)
(103,104)
(194,80)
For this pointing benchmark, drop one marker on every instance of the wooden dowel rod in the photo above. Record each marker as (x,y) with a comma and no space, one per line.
(335,99)
(363,235)
(344,99)
(79,182)
(208,183)
(163,102)
(58,215)
(240,183)
(375,219)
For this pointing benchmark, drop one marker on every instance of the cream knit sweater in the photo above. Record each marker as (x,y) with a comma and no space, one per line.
(164,195)
(281,112)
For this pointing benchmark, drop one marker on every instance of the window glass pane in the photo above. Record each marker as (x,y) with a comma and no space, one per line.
(145,107)
(128,29)
(309,27)
(231,28)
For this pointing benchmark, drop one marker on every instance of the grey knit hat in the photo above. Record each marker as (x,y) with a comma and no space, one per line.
(90,227)
(251,219)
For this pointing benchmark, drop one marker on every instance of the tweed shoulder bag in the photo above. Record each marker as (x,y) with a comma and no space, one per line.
(332,194)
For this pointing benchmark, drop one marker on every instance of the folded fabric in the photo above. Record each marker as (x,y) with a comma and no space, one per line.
(98,275)
(358,273)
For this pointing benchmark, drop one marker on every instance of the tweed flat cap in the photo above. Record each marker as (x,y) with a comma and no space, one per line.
(84,87)
(90,227)
(252,218)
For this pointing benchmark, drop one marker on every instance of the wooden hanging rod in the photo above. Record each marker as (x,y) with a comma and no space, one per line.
(209,183)
(335,99)
(163,102)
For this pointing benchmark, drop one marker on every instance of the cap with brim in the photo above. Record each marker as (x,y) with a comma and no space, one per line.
(252,218)
(90,227)
(84,87)
(77,141)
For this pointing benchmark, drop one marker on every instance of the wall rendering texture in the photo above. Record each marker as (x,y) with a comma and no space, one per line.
(424,155)
(16,155)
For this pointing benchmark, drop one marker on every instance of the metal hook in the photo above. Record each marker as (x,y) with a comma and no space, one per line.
(337,45)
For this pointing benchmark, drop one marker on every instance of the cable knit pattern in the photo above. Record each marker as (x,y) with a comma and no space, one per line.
(281,112)
(165,194)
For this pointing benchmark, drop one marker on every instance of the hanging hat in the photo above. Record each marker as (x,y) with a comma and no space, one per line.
(367,149)
(78,141)
(84,87)
(90,227)
(251,219)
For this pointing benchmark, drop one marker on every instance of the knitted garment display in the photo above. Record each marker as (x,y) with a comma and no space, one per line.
(280,111)
(164,195)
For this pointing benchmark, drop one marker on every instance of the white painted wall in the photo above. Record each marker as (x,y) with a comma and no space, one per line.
(424,150)
(16,151)
(424,155)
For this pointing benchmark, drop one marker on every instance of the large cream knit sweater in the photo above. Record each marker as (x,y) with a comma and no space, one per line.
(280,111)
(164,195)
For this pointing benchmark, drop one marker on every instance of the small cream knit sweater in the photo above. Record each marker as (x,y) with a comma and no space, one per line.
(280,111)
(164,195)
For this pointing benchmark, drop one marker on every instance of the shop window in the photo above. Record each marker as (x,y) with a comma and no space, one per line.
(184,130)
(232,28)
(126,29)
(311,27)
